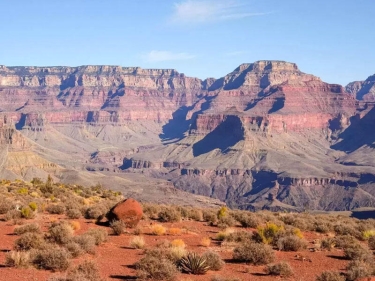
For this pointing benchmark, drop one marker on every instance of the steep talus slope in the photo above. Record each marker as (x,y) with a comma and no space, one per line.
(264,136)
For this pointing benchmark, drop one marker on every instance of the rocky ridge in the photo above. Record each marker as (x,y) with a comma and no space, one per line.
(264,136)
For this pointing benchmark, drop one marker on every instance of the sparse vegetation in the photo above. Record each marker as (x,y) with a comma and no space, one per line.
(330,276)
(254,253)
(213,260)
(282,269)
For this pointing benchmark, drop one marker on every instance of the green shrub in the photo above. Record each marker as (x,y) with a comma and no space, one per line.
(33,206)
(269,232)
(27,213)
(223,212)
(254,253)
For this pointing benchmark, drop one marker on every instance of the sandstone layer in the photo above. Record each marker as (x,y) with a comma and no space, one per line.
(266,135)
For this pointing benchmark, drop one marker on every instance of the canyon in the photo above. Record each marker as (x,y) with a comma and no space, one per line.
(265,136)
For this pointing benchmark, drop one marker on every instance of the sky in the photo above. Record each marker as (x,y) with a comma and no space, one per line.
(332,39)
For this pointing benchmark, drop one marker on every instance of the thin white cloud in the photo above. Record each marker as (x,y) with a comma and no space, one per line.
(160,56)
(200,11)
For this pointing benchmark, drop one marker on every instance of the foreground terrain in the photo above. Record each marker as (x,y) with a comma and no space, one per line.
(67,228)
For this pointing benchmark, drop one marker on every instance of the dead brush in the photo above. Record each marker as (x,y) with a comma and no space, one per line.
(194,264)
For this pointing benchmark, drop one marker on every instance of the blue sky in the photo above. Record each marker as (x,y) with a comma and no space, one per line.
(332,39)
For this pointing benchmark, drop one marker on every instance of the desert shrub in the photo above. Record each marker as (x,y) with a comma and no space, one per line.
(23,191)
(33,206)
(88,270)
(74,249)
(268,232)
(248,220)
(57,209)
(239,236)
(156,268)
(27,213)
(213,260)
(205,242)
(347,229)
(5,205)
(32,227)
(280,269)
(356,251)
(175,254)
(17,259)
(358,269)
(291,243)
(118,227)
(73,214)
(254,253)
(60,232)
(194,264)
(210,217)
(100,235)
(86,242)
(96,212)
(219,278)
(56,259)
(29,241)
(170,214)
(195,214)
(222,235)
(37,181)
(226,221)
(328,244)
(223,212)
(330,276)
(342,241)
(137,242)
(158,229)
(371,243)
(12,215)
(367,234)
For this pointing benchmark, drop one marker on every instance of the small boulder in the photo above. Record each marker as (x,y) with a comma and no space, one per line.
(129,211)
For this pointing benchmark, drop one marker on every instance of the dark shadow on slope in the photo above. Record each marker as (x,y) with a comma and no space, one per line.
(278,104)
(262,180)
(363,91)
(21,123)
(177,126)
(120,91)
(227,134)
(359,133)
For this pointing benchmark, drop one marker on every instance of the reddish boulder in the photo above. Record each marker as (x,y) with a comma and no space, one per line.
(129,211)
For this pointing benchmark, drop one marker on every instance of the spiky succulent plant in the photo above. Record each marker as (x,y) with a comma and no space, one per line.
(194,264)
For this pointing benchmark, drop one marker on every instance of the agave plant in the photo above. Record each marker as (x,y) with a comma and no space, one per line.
(194,264)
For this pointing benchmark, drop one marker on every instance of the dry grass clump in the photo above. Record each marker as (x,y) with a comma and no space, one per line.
(330,276)
(52,258)
(28,241)
(100,235)
(175,231)
(254,253)
(205,242)
(328,244)
(358,269)
(282,269)
(291,243)
(213,260)
(17,259)
(118,227)
(178,243)
(156,268)
(222,235)
(75,225)
(32,227)
(158,229)
(137,242)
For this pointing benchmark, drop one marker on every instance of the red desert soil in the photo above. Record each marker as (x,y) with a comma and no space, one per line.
(115,258)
